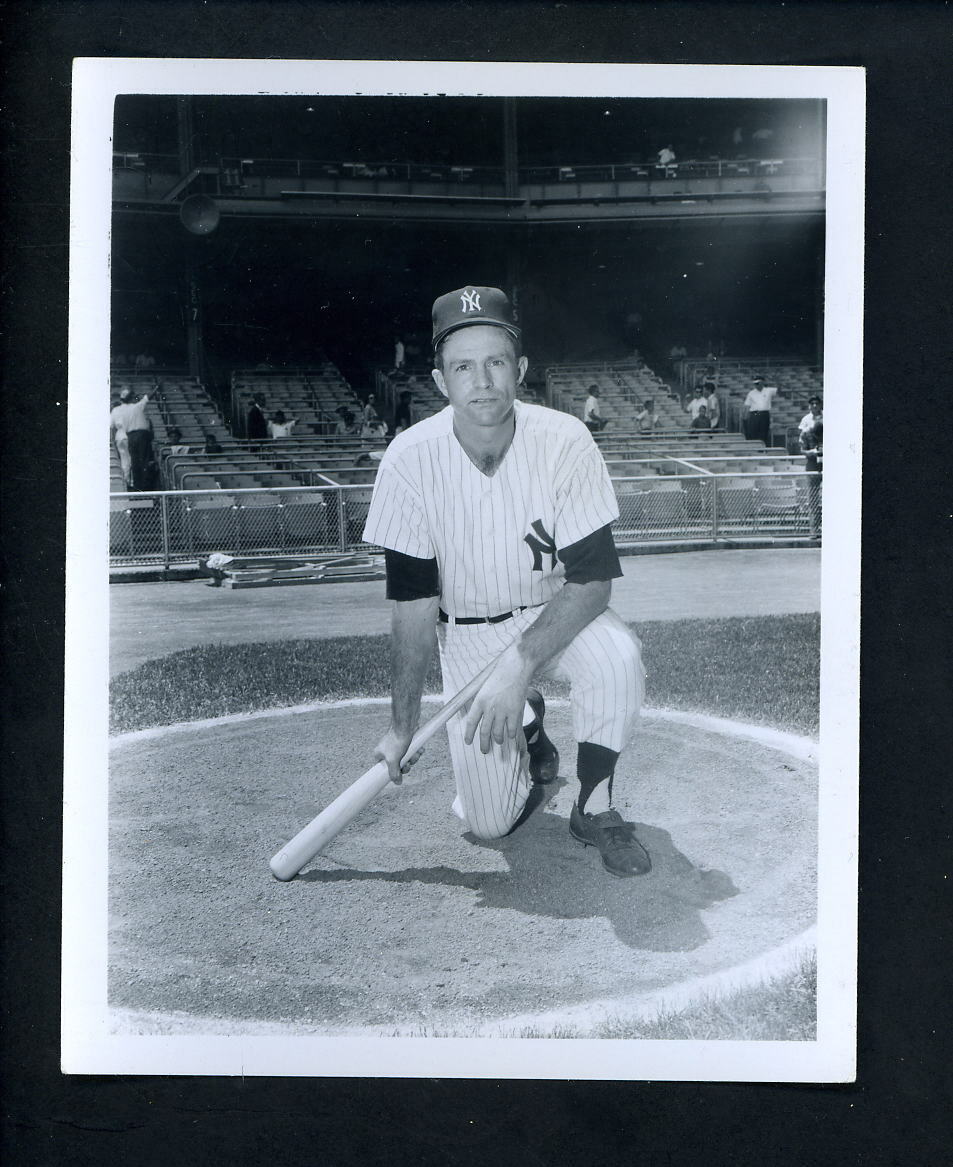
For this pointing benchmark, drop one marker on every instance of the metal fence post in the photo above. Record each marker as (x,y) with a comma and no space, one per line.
(714,509)
(342,522)
(164,522)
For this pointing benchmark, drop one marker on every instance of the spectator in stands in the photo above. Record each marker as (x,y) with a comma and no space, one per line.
(347,422)
(400,355)
(402,418)
(814,414)
(118,435)
(812,446)
(666,161)
(647,419)
(701,420)
(256,424)
(371,424)
(711,400)
(212,445)
(280,426)
(591,414)
(698,403)
(176,445)
(129,418)
(756,411)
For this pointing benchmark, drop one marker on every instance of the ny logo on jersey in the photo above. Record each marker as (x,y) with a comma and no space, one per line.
(542,543)
(470,302)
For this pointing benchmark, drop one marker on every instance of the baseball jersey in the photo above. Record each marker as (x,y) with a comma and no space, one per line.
(495,538)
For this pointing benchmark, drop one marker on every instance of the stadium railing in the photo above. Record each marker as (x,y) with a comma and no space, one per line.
(162,528)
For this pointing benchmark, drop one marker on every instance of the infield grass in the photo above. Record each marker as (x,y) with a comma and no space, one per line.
(761,669)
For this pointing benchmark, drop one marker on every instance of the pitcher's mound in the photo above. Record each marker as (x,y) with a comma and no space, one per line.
(405,924)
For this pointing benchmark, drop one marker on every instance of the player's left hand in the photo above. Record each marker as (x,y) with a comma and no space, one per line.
(498,707)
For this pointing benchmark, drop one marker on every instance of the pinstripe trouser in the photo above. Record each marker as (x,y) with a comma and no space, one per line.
(603,665)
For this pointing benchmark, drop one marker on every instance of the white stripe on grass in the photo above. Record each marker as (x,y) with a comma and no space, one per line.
(797,745)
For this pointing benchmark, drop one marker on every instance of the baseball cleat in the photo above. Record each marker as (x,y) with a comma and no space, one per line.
(614,838)
(543,759)
(543,755)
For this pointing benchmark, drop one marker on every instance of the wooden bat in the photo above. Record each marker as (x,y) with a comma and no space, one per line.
(313,838)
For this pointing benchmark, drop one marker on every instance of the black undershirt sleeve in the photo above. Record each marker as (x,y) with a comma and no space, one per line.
(410,578)
(592,558)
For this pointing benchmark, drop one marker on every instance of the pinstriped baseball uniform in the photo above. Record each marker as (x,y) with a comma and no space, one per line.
(495,539)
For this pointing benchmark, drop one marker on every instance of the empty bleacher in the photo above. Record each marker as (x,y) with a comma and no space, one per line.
(311,396)
(309,493)
(623,387)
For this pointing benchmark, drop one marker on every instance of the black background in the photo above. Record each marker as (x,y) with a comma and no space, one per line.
(898,1110)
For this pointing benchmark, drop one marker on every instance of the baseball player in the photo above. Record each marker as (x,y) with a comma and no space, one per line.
(495,517)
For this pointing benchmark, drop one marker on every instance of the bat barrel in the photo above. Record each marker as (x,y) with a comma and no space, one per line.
(323,827)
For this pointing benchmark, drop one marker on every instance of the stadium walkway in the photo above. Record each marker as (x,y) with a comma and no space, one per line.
(149,620)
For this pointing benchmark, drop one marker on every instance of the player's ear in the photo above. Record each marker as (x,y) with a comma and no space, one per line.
(522,365)
(437,375)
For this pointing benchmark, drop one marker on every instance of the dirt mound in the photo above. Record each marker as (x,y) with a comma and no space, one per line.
(405,922)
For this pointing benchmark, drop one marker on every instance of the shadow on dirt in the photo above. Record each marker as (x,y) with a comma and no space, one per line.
(550,874)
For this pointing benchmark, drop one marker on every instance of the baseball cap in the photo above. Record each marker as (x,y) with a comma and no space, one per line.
(814,397)
(472,305)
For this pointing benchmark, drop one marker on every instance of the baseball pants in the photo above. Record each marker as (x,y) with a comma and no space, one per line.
(603,665)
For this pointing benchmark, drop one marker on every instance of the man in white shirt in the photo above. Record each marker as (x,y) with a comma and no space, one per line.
(697,404)
(647,418)
(756,411)
(814,414)
(130,426)
(591,415)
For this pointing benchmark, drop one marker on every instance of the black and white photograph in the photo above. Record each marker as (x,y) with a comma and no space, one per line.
(462,617)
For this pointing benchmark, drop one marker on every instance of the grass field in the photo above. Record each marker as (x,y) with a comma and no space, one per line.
(760,669)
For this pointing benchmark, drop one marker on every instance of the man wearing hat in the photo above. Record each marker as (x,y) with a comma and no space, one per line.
(131,430)
(495,518)
(756,411)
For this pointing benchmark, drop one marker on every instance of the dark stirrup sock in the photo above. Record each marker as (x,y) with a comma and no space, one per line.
(594,764)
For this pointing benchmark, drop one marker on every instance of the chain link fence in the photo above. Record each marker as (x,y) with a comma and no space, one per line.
(169,527)
(712,507)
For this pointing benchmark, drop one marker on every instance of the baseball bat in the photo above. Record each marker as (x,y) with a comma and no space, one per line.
(313,838)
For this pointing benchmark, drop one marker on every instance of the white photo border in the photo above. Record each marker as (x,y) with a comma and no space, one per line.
(88,1046)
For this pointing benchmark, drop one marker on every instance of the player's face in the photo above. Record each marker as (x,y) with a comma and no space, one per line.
(480,374)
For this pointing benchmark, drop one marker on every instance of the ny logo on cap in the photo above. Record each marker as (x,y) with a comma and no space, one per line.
(470,302)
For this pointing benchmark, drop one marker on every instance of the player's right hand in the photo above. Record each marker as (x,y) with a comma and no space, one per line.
(391,749)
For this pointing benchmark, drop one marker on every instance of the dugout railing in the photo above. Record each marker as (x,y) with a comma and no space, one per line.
(165,528)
